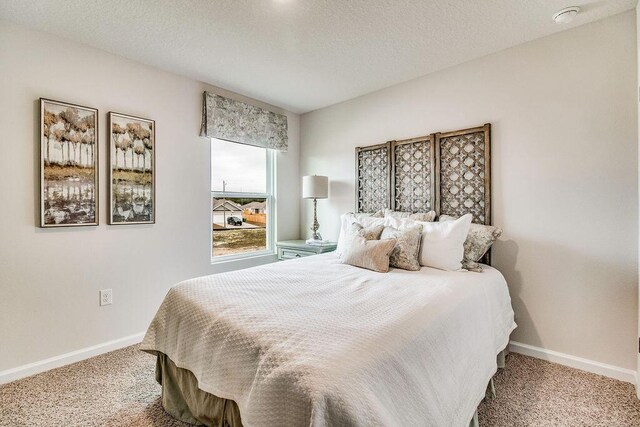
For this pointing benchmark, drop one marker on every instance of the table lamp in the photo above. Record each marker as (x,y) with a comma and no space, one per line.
(315,187)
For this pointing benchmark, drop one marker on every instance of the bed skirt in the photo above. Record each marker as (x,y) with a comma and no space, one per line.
(184,401)
(490,393)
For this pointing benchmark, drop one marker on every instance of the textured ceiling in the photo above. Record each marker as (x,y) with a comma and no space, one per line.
(302,54)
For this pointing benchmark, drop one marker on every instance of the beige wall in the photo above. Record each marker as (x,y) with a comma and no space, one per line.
(638,99)
(565,177)
(49,279)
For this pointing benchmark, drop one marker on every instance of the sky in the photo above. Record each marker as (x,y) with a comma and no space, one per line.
(243,167)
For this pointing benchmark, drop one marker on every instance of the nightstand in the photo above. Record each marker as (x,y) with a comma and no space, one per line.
(290,249)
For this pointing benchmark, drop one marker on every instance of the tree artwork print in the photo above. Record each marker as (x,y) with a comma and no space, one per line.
(68,164)
(132,170)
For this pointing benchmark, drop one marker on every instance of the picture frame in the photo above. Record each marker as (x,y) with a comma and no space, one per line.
(69,172)
(132,160)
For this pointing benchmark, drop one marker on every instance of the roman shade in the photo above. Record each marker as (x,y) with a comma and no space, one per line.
(235,121)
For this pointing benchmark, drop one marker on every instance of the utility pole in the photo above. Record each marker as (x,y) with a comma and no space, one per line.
(224,202)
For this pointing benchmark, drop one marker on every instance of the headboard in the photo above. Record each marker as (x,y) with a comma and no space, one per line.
(463,173)
(448,172)
(413,177)
(373,188)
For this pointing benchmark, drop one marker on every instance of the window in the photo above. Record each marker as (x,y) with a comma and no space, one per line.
(242,203)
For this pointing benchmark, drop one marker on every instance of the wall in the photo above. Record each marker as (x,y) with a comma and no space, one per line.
(638,100)
(565,177)
(49,278)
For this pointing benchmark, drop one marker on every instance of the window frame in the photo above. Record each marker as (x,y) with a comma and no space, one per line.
(269,197)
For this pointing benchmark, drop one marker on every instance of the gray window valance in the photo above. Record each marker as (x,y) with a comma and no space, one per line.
(235,121)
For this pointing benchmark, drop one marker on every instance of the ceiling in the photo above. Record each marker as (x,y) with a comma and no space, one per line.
(302,54)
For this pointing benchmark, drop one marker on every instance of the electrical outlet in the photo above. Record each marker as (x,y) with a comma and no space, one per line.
(106,297)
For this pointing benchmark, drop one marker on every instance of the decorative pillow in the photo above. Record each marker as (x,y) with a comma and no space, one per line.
(478,242)
(442,243)
(357,230)
(369,254)
(420,216)
(369,233)
(405,254)
(365,219)
(378,214)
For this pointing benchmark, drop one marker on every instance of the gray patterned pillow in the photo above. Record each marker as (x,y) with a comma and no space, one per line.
(370,233)
(478,242)
(369,254)
(420,216)
(405,254)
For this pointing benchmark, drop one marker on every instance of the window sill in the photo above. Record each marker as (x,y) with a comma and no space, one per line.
(254,256)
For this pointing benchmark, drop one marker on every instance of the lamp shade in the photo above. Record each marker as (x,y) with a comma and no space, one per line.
(315,187)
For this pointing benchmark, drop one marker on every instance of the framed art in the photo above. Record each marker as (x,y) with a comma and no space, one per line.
(68,164)
(132,189)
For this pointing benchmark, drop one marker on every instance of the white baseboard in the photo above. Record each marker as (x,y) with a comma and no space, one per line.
(592,366)
(638,377)
(68,358)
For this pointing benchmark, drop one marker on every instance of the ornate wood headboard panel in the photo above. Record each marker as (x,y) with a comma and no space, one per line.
(413,180)
(463,178)
(447,172)
(373,191)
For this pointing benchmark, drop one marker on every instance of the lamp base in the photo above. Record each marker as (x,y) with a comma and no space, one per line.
(315,226)
(316,236)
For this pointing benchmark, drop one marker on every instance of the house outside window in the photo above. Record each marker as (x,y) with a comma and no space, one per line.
(242,202)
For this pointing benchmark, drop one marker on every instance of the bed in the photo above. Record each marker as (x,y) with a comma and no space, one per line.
(317,342)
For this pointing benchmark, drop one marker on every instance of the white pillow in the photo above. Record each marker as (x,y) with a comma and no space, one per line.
(442,243)
(400,223)
(364,219)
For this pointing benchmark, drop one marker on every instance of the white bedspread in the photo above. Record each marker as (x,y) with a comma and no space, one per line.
(313,342)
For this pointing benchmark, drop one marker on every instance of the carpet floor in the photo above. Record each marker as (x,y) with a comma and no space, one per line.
(118,389)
